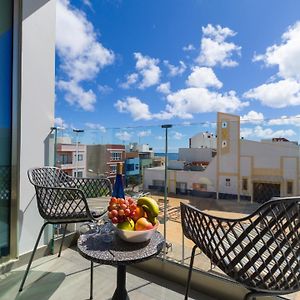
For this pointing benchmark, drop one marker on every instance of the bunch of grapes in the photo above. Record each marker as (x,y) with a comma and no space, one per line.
(120,209)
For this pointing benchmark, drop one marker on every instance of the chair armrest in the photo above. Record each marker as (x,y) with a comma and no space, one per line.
(92,187)
(63,203)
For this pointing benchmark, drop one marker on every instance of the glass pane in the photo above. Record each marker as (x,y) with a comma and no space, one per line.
(5,121)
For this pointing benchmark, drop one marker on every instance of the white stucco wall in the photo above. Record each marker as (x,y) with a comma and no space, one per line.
(245,166)
(37,107)
(267,155)
(204,139)
(188,177)
(290,168)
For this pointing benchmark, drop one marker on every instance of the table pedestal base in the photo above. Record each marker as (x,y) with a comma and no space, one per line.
(120,292)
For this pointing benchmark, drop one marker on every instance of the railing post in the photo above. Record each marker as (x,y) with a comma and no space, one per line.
(166,185)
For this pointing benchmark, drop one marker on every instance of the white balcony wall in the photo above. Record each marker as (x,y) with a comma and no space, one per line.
(37,107)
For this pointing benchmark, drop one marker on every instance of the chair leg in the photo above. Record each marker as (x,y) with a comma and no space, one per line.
(248,296)
(190,274)
(252,295)
(91,282)
(62,240)
(32,255)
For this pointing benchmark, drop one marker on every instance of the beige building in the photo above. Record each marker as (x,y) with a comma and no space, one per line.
(242,169)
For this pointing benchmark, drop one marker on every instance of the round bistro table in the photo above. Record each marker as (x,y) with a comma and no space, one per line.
(118,253)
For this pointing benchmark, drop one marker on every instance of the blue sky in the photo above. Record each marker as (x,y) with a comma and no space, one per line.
(145,63)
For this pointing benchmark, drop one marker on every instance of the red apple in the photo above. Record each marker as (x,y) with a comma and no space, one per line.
(143,224)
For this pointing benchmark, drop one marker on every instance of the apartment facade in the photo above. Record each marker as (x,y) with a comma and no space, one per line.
(132,164)
(103,159)
(71,157)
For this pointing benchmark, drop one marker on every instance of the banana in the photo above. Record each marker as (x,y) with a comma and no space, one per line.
(150,204)
(150,217)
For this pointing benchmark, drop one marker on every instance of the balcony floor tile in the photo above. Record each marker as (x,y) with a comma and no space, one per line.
(67,277)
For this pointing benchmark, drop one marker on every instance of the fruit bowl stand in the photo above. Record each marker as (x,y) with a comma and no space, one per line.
(118,253)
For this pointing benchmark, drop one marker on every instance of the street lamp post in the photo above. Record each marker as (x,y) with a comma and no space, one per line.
(77,131)
(166,185)
(55,144)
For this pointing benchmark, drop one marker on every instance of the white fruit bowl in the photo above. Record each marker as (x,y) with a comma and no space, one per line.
(136,236)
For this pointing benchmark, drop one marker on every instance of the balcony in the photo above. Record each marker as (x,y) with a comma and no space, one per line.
(67,277)
(233,191)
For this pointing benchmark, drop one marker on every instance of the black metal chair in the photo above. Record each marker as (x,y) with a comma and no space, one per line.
(261,251)
(62,199)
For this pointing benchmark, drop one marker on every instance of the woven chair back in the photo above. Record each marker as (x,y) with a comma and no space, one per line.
(57,197)
(261,251)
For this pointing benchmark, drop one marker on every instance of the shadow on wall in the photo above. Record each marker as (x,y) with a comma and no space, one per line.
(42,285)
(31,6)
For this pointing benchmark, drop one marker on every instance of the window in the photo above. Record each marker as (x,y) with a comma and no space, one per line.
(116,156)
(113,169)
(129,167)
(227,182)
(64,158)
(245,184)
(137,167)
(289,187)
(78,174)
(80,157)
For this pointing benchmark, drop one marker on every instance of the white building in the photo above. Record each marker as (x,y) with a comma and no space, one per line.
(141,148)
(203,140)
(71,157)
(241,169)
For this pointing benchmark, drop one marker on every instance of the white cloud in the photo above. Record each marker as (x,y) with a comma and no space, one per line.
(159,137)
(60,122)
(286,55)
(285,120)
(186,102)
(134,106)
(262,133)
(286,90)
(87,3)
(189,47)
(81,55)
(148,69)
(95,126)
(164,88)
(124,135)
(75,94)
(183,104)
(215,50)
(175,70)
(144,133)
(203,77)
(105,89)
(130,80)
(278,94)
(253,117)
(177,135)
